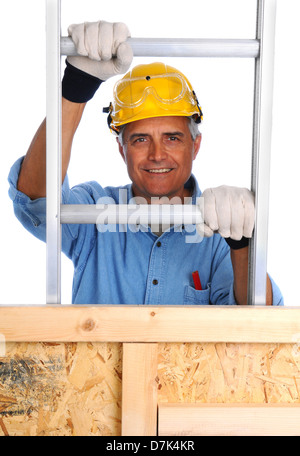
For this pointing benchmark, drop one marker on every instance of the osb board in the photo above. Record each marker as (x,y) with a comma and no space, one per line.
(60,389)
(224,373)
(75,388)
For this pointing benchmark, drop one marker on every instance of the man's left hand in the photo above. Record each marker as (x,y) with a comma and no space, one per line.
(229,211)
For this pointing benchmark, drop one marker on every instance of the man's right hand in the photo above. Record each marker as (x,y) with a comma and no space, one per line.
(102,48)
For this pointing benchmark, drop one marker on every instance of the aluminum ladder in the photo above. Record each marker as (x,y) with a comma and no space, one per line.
(261,49)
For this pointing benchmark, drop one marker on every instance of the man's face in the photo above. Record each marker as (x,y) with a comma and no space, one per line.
(159,153)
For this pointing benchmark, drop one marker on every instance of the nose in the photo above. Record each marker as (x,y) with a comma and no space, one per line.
(157,151)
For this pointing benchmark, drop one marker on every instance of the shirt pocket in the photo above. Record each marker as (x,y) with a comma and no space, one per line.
(200,297)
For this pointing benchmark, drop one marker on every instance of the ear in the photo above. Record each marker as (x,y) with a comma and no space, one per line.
(197,144)
(121,150)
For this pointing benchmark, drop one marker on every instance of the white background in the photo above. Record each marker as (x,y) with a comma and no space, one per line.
(224,88)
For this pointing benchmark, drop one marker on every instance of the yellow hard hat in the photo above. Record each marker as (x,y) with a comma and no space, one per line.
(152,90)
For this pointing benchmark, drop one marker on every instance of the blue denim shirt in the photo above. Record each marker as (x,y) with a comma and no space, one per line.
(130,264)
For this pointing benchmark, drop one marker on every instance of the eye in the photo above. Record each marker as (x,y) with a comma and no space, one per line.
(139,140)
(172,138)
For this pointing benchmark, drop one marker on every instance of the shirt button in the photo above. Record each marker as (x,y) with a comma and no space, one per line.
(155,282)
(158,244)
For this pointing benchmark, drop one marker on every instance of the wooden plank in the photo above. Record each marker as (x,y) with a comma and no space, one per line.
(149,324)
(228,420)
(139,390)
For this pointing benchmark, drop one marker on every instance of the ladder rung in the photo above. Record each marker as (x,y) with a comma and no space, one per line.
(186,214)
(182,47)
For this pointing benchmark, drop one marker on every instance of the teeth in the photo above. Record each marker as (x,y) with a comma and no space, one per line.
(163,170)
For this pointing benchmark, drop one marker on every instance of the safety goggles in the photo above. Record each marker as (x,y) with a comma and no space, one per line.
(168,89)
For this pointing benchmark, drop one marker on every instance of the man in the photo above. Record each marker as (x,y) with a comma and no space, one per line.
(155,114)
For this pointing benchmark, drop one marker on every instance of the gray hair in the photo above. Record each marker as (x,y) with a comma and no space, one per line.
(193,127)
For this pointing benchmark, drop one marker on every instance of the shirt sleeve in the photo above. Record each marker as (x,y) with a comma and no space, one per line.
(32,213)
(278,299)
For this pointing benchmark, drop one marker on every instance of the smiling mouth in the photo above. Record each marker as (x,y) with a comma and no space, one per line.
(159,171)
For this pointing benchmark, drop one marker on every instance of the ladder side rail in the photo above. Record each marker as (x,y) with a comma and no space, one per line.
(53,147)
(261,150)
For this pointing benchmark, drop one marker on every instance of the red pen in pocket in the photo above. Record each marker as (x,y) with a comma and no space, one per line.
(197,281)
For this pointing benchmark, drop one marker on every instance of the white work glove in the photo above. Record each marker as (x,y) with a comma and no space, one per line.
(104,53)
(230,211)
(103,47)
